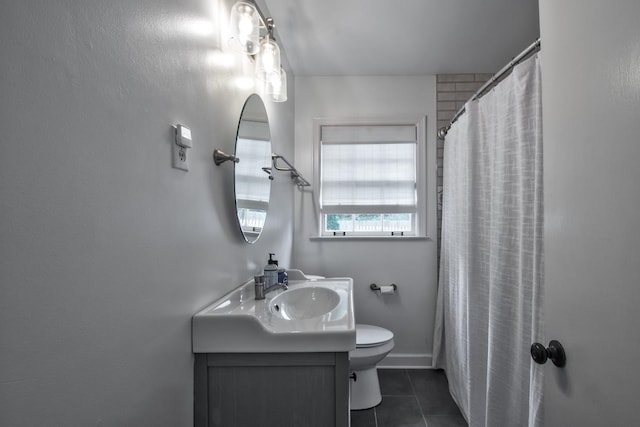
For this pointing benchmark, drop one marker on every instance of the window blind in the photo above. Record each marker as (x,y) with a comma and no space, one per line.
(368,168)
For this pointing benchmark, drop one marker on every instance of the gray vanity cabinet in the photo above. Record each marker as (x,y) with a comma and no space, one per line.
(271,389)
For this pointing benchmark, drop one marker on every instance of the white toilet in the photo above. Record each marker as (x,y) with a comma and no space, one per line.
(373,343)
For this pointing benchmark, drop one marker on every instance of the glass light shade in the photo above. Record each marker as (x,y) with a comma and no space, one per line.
(268,61)
(244,25)
(277,86)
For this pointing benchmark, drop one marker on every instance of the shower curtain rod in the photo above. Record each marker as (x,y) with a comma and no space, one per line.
(534,47)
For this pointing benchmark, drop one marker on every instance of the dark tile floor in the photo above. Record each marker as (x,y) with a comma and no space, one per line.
(411,398)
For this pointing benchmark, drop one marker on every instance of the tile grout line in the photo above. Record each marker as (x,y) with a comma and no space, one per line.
(415,396)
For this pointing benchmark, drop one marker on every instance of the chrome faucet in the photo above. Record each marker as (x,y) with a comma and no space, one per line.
(262,291)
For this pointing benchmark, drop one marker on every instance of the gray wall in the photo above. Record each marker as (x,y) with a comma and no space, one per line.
(411,264)
(106,251)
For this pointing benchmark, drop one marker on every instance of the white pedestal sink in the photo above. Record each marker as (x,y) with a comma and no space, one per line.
(311,316)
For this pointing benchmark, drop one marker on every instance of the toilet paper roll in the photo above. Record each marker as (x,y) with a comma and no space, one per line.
(387,290)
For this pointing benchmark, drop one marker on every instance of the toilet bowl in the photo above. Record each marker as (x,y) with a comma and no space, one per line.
(373,343)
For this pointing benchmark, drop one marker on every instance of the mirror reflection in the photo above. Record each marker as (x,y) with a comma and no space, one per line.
(252,174)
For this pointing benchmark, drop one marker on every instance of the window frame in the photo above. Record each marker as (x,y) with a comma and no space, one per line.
(422,186)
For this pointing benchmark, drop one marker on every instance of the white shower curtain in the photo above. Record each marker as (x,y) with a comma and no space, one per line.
(491,271)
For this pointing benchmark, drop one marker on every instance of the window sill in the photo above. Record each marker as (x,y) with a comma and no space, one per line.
(381,238)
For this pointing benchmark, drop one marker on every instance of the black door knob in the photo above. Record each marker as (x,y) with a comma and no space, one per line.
(555,352)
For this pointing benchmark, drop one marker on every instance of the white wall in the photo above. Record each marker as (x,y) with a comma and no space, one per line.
(411,264)
(105,250)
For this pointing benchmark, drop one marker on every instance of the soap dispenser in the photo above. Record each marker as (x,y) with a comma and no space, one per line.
(271,272)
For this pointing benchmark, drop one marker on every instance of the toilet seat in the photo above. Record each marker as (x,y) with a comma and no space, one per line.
(372,336)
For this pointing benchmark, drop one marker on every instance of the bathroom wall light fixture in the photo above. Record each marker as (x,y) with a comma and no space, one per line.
(245,23)
(276,87)
(268,60)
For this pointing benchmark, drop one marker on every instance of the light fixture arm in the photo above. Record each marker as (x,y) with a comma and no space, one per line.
(269,25)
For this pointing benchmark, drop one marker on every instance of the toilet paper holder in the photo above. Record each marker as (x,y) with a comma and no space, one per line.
(375,287)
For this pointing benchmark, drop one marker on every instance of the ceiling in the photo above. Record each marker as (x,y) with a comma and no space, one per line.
(402,37)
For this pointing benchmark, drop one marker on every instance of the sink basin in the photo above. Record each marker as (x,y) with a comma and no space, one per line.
(304,303)
(313,315)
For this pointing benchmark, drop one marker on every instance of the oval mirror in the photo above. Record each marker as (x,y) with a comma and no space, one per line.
(252,174)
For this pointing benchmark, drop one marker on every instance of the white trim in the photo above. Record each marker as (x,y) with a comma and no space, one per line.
(356,237)
(406,361)
(423,225)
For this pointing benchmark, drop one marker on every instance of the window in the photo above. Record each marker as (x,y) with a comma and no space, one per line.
(369,175)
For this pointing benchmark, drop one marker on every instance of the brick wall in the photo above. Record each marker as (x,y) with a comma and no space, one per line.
(453,90)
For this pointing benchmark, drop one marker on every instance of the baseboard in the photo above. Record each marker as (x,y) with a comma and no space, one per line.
(406,361)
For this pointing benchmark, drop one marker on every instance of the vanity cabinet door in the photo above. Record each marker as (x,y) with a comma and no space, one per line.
(292,389)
